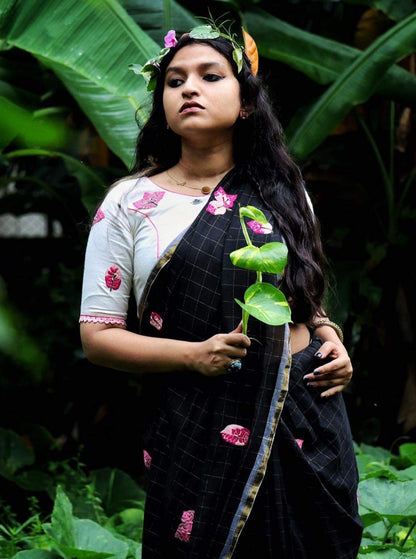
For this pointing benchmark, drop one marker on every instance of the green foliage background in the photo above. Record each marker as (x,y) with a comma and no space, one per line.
(341,75)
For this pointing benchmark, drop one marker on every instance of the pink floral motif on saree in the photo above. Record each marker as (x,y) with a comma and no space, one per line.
(156,320)
(299,442)
(184,529)
(235,434)
(147,459)
(261,228)
(222,202)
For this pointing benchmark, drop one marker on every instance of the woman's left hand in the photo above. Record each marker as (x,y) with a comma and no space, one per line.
(335,374)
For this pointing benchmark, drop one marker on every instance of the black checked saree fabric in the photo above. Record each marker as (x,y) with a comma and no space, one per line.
(209,440)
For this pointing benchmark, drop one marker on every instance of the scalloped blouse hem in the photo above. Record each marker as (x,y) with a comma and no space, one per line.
(102,320)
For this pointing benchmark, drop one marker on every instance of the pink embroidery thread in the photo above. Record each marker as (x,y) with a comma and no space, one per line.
(300,442)
(113,277)
(262,228)
(149,200)
(236,435)
(222,202)
(184,529)
(98,216)
(147,459)
(156,320)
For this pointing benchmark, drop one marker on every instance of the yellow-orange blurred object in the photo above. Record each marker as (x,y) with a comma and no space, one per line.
(251,51)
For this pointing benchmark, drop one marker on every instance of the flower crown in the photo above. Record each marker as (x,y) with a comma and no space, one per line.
(150,69)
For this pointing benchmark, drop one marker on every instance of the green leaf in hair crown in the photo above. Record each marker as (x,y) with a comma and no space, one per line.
(211,30)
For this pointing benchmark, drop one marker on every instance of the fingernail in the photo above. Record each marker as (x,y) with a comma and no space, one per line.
(319,354)
(316,372)
(309,384)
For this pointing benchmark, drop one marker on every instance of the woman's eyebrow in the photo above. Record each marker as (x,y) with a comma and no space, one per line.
(202,66)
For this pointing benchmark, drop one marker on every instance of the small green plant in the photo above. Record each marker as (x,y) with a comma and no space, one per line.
(387,498)
(261,299)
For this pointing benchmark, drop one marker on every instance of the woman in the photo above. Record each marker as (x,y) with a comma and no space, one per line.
(244,455)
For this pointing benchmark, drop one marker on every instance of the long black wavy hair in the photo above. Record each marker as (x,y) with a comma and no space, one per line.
(262,158)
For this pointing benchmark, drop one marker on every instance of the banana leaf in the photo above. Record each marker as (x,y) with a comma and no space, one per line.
(354,86)
(319,58)
(394,9)
(89,45)
(156,17)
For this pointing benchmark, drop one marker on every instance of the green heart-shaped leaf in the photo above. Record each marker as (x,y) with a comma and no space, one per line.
(266,303)
(253,213)
(271,258)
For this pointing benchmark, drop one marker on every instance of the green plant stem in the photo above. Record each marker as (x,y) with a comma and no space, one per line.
(408,533)
(245,316)
(245,232)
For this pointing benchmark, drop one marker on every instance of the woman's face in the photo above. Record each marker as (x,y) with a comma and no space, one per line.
(201,95)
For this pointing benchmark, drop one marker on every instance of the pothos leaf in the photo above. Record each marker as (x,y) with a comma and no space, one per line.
(270,258)
(266,303)
(253,213)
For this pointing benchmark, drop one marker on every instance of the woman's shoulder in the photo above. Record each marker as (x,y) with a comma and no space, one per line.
(125,187)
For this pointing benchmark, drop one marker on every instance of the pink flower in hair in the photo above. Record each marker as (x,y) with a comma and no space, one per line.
(170,39)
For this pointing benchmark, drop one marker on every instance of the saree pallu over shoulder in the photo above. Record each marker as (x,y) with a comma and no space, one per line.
(210,438)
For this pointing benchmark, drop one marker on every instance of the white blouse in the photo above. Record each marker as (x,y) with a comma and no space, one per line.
(135,225)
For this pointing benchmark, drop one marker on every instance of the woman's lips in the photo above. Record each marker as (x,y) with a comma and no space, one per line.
(190,108)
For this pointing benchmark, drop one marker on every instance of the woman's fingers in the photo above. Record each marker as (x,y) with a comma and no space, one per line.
(334,374)
(219,352)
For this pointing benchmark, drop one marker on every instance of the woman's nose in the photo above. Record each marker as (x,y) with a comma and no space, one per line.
(190,87)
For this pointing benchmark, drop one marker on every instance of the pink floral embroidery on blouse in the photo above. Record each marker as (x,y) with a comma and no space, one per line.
(222,202)
(113,277)
(156,320)
(300,442)
(98,216)
(262,228)
(147,459)
(236,435)
(184,529)
(149,200)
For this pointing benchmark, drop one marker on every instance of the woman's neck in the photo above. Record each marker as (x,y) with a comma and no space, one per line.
(204,162)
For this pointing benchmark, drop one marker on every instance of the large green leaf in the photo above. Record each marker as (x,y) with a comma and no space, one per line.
(354,86)
(320,58)
(89,44)
(270,257)
(394,500)
(266,303)
(156,17)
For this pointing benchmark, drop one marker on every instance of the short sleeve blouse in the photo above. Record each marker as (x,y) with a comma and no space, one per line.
(135,225)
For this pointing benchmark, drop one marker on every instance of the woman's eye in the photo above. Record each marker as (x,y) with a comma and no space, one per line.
(212,77)
(175,82)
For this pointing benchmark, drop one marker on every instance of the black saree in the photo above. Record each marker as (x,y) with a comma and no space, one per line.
(210,441)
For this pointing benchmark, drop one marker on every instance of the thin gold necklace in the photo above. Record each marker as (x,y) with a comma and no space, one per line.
(202,189)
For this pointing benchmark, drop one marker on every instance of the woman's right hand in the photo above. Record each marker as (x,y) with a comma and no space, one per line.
(215,355)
